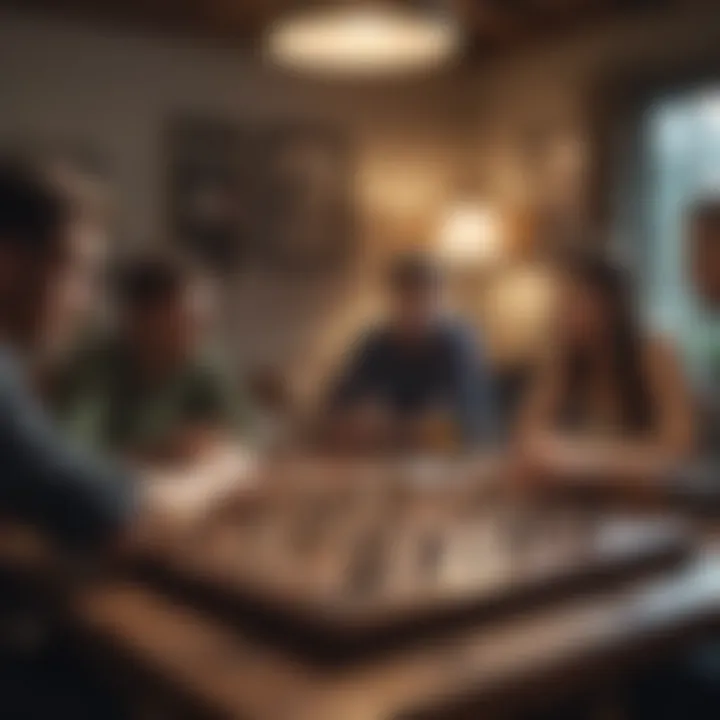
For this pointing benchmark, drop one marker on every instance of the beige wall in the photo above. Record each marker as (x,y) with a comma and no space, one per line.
(557,87)
(115,93)
(416,144)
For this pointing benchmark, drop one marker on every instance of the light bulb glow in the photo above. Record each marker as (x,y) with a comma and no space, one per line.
(470,234)
(362,39)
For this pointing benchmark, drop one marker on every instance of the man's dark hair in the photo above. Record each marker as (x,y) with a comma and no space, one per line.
(414,272)
(31,208)
(145,281)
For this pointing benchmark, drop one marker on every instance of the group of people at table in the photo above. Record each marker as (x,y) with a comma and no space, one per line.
(88,420)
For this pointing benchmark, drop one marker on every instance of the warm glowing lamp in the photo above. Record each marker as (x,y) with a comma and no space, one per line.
(363,38)
(470,235)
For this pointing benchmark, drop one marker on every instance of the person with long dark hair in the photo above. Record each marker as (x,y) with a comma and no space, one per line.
(610,402)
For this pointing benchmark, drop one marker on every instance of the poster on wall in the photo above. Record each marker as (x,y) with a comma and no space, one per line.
(271,195)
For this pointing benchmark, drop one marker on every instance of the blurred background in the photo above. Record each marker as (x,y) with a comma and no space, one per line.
(320,160)
(296,146)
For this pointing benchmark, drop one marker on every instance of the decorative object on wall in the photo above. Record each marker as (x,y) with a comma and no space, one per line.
(210,191)
(305,206)
(555,163)
(272,194)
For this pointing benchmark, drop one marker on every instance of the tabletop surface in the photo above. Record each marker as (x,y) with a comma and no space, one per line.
(346,567)
(562,645)
(497,667)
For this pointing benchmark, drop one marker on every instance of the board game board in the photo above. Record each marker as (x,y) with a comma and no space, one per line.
(338,570)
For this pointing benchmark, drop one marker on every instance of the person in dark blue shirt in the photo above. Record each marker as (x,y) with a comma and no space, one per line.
(44,482)
(84,505)
(418,379)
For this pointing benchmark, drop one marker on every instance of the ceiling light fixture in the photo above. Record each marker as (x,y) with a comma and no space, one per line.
(365,39)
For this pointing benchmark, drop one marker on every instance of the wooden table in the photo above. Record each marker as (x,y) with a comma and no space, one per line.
(515,665)
(331,578)
(205,666)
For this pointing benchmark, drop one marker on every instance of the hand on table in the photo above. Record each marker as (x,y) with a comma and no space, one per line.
(549,459)
(191,491)
(173,500)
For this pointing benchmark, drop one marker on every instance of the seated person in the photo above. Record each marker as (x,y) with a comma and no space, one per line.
(149,392)
(610,403)
(704,227)
(78,294)
(83,504)
(704,274)
(416,381)
(689,685)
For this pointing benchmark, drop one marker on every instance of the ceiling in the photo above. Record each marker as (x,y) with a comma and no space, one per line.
(491,24)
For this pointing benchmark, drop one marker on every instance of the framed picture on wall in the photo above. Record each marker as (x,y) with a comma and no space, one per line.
(277,195)
(210,193)
(305,204)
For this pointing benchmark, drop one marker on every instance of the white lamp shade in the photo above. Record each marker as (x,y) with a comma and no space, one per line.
(362,39)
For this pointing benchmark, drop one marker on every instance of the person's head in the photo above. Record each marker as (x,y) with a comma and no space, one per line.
(48,258)
(596,321)
(704,232)
(162,304)
(415,288)
(594,300)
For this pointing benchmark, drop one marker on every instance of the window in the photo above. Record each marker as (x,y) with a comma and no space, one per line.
(681,137)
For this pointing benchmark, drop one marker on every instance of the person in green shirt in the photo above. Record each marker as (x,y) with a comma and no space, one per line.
(151,391)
